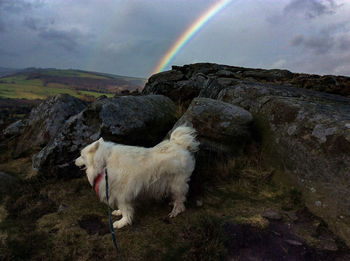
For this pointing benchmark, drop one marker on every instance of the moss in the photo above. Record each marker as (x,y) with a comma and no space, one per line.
(20,168)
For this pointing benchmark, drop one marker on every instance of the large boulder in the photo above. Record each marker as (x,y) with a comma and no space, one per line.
(307,133)
(15,129)
(221,127)
(132,120)
(43,123)
(173,85)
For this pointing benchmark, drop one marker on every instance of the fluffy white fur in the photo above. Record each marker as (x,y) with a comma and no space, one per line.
(159,171)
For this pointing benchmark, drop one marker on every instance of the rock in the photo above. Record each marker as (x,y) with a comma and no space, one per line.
(132,120)
(221,127)
(199,203)
(158,83)
(45,121)
(268,75)
(328,83)
(212,88)
(305,133)
(170,84)
(272,215)
(62,208)
(291,216)
(15,129)
(168,76)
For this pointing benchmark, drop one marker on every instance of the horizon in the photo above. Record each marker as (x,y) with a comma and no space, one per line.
(132,38)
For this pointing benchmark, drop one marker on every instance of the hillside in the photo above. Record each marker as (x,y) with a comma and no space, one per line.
(41,83)
(21,89)
(8,71)
(271,180)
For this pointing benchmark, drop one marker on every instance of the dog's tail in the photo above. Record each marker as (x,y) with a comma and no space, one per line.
(185,137)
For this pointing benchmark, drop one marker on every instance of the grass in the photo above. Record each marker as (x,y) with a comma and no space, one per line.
(19,87)
(234,190)
(196,234)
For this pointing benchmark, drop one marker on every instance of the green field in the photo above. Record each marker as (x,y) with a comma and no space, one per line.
(17,86)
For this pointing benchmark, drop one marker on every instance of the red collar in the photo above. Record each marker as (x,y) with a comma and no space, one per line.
(97,181)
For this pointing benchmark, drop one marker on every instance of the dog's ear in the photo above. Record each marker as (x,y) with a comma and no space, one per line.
(101,139)
(95,146)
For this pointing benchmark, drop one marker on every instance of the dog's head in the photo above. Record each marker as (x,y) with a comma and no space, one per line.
(89,158)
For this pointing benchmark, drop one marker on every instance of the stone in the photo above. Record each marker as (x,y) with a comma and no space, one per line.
(170,84)
(306,134)
(272,215)
(303,126)
(62,208)
(15,129)
(131,120)
(45,121)
(221,127)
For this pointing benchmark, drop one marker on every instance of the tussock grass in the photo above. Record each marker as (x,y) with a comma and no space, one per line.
(234,190)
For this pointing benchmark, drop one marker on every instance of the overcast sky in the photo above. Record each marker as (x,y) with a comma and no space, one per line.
(129,37)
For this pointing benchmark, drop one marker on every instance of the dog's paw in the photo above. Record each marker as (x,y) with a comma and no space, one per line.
(177,210)
(117,213)
(120,223)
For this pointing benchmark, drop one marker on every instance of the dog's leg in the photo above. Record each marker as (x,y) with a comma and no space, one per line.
(179,191)
(127,212)
(117,212)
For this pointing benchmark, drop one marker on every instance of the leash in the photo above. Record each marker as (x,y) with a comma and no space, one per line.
(111,228)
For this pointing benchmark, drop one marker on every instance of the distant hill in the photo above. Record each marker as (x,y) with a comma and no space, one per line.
(37,83)
(8,71)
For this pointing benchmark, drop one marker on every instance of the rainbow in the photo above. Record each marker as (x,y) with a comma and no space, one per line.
(189,33)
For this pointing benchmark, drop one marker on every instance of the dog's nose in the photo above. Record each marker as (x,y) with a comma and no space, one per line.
(79,162)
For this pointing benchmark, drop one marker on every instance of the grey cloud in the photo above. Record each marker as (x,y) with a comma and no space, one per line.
(37,24)
(130,37)
(311,8)
(8,53)
(31,23)
(333,36)
(338,64)
(319,44)
(15,6)
(297,40)
(344,43)
(66,39)
(2,25)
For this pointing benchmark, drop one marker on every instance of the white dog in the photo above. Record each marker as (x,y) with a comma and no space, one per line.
(159,171)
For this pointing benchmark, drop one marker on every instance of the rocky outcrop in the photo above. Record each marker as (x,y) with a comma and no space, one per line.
(221,127)
(183,83)
(44,122)
(306,133)
(310,136)
(128,120)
